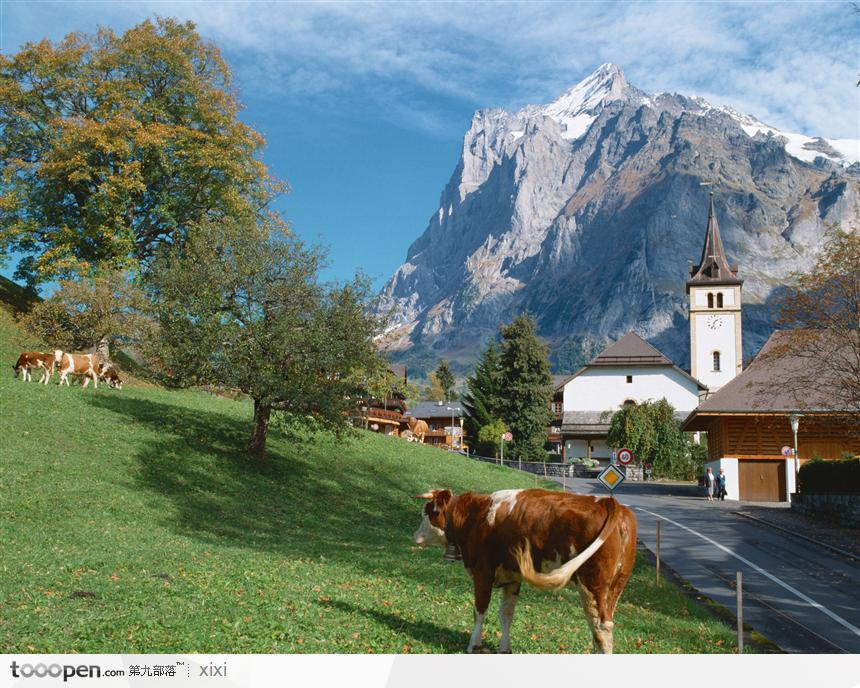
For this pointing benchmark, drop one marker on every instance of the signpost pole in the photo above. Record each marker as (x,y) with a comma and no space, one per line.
(502,460)
(658,551)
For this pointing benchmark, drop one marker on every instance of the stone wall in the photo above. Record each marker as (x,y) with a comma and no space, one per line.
(843,509)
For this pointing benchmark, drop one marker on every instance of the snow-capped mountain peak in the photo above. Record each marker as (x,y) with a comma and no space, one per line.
(579,106)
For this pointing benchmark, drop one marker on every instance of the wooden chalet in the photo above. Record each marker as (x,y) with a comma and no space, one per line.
(444,420)
(385,415)
(748,424)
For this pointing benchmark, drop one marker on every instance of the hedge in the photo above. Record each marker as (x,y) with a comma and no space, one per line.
(830,477)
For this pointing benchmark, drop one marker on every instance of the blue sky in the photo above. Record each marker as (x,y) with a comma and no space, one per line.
(364,105)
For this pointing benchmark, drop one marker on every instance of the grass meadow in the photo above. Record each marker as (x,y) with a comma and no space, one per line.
(131,521)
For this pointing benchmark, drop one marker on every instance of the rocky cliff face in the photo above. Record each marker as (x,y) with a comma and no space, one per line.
(589,210)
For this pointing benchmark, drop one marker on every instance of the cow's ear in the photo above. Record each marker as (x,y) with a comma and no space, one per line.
(442,498)
(425,496)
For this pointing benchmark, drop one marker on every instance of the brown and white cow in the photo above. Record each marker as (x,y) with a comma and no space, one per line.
(77,364)
(545,538)
(418,428)
(107,373)
(35,359)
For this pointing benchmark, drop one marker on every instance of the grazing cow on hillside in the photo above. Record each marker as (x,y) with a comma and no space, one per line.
(107,373)
(418,428)
(35,359)
(541,537)
(77,364)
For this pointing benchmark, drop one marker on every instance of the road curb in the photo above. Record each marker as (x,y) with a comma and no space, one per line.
(833,549)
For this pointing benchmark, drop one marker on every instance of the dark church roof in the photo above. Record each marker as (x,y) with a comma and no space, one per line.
(713,268)
(631,349)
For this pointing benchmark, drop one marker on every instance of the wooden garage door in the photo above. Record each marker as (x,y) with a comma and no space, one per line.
(761,481)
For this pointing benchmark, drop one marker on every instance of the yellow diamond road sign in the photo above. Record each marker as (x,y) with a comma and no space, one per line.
(611,477)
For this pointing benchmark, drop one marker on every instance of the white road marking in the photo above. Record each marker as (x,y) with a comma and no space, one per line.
(838,619)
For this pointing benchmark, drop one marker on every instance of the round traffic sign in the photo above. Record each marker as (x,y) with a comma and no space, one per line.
(507,437)
(625,456)
(787,451)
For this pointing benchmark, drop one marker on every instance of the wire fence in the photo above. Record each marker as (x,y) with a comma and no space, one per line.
(558,470)
(546,469)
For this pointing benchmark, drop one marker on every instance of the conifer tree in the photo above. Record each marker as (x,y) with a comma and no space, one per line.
(446,379)
(482,399)
(527,387)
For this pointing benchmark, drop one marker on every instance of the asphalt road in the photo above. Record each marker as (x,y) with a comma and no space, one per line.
(801,596)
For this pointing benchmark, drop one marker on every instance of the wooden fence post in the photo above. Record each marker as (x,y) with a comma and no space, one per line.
(658,551)
(740,599)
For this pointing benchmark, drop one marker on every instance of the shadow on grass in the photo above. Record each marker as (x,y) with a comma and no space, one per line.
(449,640)
(294,502)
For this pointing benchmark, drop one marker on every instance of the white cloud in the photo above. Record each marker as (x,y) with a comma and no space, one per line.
(791,64)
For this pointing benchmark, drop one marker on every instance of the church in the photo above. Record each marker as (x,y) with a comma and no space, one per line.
(750,420)
(632,371)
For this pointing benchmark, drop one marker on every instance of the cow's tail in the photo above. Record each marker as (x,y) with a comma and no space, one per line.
(557,579)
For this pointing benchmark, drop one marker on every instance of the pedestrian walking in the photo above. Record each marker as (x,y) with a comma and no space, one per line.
(709,484)
(721,485)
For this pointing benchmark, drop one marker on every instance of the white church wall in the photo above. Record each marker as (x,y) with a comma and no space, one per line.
(606,389)
(709,340)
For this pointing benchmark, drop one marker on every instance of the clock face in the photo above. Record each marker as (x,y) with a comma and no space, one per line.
(715,322)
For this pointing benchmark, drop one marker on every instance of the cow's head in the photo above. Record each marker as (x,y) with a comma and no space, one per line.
(58,356)
(432,529)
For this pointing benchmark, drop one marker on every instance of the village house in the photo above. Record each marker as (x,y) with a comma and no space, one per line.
(444,420)
(629,371)
(749,425)
(385,414)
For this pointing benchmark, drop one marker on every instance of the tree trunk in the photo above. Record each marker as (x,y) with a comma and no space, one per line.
(262,411)
(102,349)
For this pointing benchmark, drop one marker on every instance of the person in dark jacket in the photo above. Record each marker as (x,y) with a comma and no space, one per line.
(721,485)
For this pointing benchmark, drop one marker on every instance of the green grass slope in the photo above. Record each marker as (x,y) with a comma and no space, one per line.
(131,521)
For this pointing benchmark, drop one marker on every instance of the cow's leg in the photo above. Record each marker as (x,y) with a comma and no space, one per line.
(26,374)
(483,592)
(594,604)
(86,380)
(95,380)
(510,594)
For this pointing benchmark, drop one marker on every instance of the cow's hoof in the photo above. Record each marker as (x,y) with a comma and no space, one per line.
(479,650)
(505,652)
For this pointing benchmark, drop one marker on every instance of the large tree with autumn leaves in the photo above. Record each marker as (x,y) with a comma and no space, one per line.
(111,145)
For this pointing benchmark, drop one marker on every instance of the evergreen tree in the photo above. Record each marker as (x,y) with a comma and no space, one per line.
(482,399)
(528,387)
(446,379)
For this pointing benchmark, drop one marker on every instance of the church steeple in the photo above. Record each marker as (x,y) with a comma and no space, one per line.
(715,312)
(714,268)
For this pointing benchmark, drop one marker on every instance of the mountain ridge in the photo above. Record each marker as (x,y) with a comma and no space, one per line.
(585,211)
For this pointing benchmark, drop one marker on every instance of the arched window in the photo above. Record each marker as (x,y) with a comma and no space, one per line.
(629,402)
(716,362)
(710,300)
(720,300)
